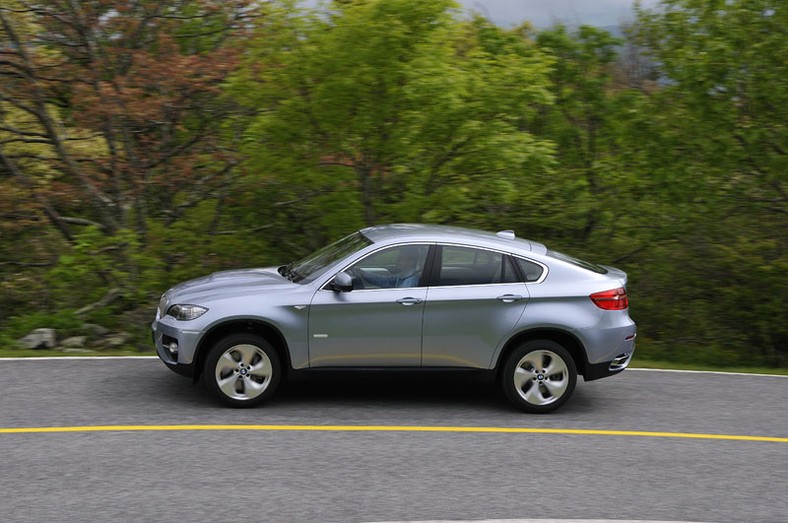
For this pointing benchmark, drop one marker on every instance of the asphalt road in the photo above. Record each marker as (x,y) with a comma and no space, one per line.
(374,475)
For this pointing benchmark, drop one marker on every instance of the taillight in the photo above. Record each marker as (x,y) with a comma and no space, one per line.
(615,300)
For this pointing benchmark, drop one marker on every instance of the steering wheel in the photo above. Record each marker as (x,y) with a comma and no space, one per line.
(358,277)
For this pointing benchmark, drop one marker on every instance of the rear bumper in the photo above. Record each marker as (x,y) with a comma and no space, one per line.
(609,345)
(594,371)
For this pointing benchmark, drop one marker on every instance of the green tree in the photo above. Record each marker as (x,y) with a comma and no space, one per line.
(716,145)
(381,110)
(110,123)
(582,122)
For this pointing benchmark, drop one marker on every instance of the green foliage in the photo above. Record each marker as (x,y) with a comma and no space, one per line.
(714,156)
(584,124)
(395,99)
(726,65)
(371,111)
(98,261)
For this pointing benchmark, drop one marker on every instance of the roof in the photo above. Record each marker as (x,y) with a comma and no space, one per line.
(400,232)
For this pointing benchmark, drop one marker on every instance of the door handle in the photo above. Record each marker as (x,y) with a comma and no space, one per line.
(407,302)
(509,298)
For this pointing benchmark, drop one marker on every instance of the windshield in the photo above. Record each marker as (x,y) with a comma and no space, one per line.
(314,264)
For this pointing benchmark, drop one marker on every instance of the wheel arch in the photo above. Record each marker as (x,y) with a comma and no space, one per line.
(261,328)
(562,337)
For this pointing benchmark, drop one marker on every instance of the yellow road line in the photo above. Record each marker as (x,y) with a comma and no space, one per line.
(384,428)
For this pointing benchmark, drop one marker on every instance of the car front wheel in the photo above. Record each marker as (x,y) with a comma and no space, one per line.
(242,370)
(539,376)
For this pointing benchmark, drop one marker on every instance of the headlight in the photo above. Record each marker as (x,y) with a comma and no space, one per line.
(186,312)
(163,305)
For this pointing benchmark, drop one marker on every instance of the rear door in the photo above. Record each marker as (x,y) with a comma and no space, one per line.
(474,300)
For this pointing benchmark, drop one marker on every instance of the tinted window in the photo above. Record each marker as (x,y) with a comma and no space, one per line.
(532,271)
(467,266)
(399,266)
(509,275)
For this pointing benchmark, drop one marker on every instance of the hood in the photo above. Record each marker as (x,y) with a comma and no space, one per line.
(227,284)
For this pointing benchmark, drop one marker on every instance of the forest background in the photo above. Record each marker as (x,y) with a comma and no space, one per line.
(144,142)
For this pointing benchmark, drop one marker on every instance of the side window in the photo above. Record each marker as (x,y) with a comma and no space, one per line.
(467,266)
(509,275)
(532,271)
(390,268)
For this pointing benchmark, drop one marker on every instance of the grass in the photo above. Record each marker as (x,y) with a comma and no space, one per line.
(24,353)
(658,364)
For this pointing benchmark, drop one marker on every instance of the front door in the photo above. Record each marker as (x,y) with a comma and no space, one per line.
(378,323)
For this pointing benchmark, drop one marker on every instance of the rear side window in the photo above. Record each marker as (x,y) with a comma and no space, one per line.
(467,266)
(576,262)
(531,271)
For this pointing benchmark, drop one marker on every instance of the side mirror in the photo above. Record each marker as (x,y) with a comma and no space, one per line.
(343,282)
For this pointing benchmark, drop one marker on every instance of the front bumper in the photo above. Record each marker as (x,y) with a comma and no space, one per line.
(174,346)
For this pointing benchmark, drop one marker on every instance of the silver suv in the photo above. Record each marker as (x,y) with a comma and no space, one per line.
(404,296)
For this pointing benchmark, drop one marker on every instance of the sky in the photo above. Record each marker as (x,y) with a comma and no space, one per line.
(545,13)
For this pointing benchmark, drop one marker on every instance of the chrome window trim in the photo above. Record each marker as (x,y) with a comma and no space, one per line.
(545,268)
(476,285)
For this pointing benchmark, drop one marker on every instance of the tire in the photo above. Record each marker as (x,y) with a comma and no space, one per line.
(242,370)
(539,376)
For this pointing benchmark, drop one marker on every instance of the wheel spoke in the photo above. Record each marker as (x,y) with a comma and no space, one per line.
(545,358)
(226,362)
(534,395)
(262,369)
(252,389)
(247,353)
(557,387)
(522,376)
(556,367)
(227,385)
(531,362)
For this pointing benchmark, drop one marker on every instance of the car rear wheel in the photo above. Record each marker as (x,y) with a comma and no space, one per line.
(539,376)
(242,370)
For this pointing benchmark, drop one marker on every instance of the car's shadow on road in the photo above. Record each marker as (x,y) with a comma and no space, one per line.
(452,392)
(391,388)
(338,392)
(346,390)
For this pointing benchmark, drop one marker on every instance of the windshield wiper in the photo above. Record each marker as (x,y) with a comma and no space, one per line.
(288,272)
